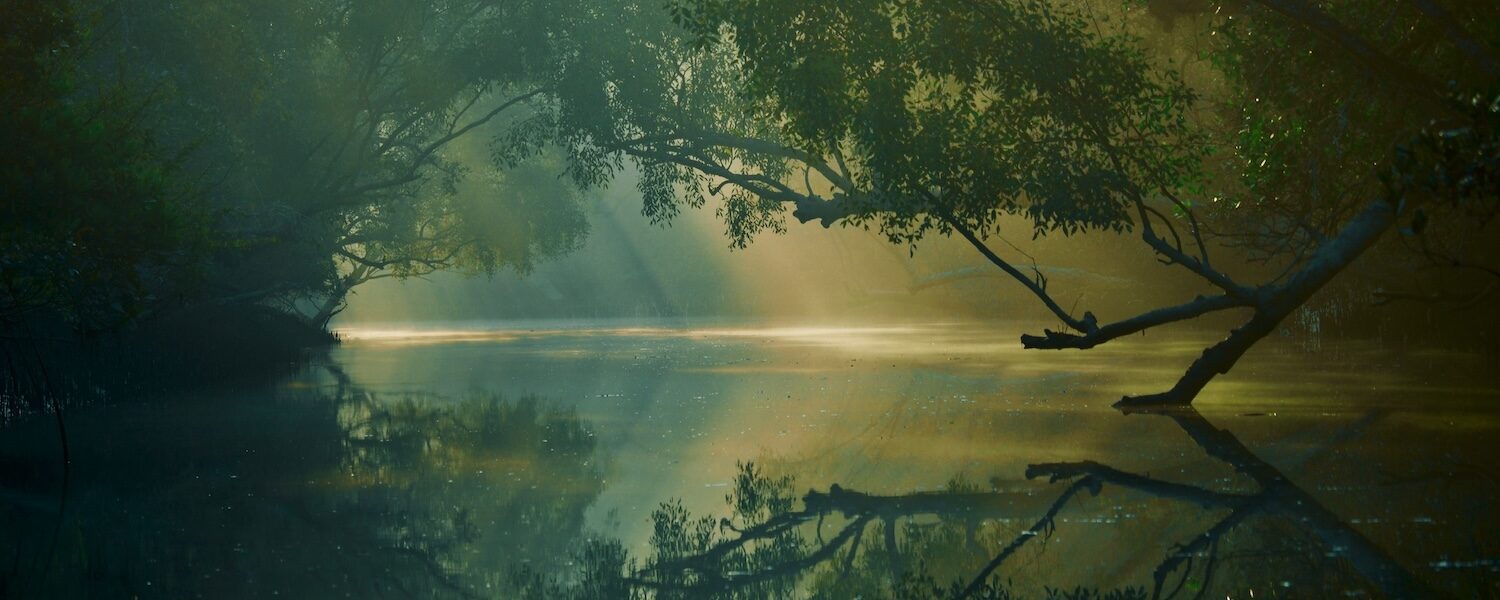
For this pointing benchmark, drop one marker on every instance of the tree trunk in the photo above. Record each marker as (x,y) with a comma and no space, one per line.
(1275,303)
(1214,361)
(329,308)
(334,304)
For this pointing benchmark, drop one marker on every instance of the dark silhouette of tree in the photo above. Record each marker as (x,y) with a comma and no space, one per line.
(943,118)
(232,153)
(344,492)
(329,135)
(93,228)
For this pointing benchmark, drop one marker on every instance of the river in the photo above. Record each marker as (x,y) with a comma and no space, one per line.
(546,459)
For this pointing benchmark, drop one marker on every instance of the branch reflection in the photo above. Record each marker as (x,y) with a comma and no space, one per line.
(958,543)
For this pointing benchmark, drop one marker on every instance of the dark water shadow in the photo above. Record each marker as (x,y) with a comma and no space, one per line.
(313,493)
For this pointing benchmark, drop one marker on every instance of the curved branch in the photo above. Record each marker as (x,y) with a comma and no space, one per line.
(768,148)
(804,207)
(1058,340)
(1042,524)
(1176,255)
(1163,489)
(1085,325)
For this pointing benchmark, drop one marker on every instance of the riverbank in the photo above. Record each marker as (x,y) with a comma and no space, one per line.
(215,347)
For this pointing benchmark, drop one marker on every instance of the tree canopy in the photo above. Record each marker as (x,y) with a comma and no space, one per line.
(921,118)
(92,226)
(283,153)
(309,147)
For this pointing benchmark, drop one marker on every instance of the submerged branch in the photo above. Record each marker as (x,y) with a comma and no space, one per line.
(1280,496)
(715,581)
(1187,552)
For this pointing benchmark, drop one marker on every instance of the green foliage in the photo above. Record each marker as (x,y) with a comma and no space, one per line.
(517,216)
(269,152)
(946,110)
(1314,131)
(341,129)
(1457,167)
(94,227)
(629,83)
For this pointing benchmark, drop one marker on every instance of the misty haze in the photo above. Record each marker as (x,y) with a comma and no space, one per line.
(680,299)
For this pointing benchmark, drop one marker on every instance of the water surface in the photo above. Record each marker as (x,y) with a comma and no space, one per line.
(544,460)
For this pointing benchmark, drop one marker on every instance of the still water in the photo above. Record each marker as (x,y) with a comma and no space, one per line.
(544,460)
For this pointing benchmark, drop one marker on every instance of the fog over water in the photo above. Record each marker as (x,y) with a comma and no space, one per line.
(629,268)
(749,299)
(543,437)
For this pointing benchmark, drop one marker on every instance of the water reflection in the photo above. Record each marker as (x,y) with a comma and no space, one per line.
(319,494)
(957,543)
(601,463)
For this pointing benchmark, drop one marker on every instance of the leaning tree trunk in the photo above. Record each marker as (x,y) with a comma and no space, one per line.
(330,307)
(334,303)
(1273,304)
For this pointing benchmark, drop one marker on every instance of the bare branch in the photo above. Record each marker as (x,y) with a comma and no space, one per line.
(1084,325)
(1175,254)
(1042,524)
(1199,306)
(1055,472)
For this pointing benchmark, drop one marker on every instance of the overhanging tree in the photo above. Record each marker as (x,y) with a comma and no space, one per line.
(334,136)
(1312,95)
(941,118)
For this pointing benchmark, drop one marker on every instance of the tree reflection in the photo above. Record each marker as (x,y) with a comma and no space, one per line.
(517,476)
(957,542)
(1275,497)
(316,494)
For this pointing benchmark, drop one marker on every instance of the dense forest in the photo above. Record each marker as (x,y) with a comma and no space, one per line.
(196,190)
(234,158)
